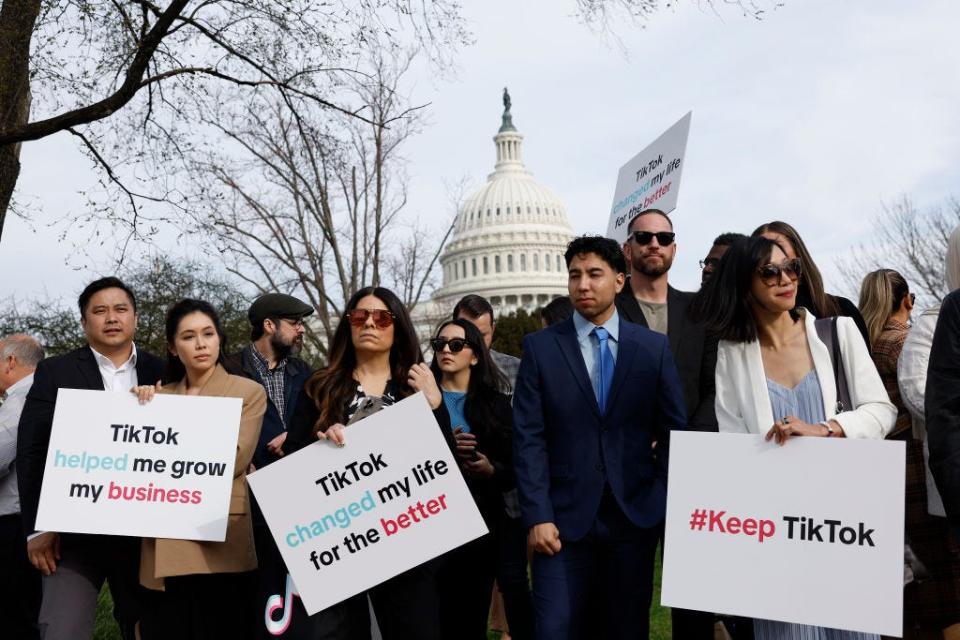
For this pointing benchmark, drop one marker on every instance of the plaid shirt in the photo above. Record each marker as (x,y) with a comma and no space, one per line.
(886,352)
(508,365)
(272,380)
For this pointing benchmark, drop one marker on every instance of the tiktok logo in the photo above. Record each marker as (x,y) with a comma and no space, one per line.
(285,604)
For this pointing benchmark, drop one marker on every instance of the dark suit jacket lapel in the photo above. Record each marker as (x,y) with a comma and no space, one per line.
(567,339)
(87,365)
(628,306)
(676,318)
(626,351)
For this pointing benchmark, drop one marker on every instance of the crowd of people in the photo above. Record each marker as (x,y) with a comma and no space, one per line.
(564,450)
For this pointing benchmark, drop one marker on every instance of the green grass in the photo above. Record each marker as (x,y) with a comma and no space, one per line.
(106,627)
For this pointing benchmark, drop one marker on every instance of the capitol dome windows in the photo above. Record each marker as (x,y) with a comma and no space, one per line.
(536,262)
(496,264)
(510,262)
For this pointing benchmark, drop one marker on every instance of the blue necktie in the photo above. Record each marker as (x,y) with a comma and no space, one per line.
(604,368)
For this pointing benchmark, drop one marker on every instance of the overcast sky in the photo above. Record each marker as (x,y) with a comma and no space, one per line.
(816,115)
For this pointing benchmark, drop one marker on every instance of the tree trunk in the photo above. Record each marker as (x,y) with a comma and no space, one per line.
(17,20)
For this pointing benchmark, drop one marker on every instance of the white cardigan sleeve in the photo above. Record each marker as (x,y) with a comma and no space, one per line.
(727,404)
(912,366)
(873,415)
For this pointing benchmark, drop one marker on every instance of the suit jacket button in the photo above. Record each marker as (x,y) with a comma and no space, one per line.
(600,466)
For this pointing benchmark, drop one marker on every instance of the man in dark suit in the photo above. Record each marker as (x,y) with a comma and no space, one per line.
(594,393)
(74,566)
(649,300)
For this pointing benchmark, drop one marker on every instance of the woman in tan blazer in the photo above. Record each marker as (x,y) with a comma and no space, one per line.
(203,589)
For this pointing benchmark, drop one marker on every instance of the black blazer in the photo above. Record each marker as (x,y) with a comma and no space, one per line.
(494,440)
(694,352)
(75,370)
(942,407)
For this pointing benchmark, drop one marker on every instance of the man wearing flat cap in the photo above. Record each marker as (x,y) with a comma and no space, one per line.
(276,335)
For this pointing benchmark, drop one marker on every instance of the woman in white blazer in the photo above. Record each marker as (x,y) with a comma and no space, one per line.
(774,375)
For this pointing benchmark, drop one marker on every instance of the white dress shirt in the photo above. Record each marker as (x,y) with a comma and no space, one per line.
(9,419)
(122,378)
(590,344)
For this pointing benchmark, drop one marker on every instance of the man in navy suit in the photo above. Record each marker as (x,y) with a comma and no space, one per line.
(594,394)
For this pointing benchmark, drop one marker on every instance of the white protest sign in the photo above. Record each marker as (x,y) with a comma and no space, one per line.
(160,470)
(650,180)
(347,519)
(810,532)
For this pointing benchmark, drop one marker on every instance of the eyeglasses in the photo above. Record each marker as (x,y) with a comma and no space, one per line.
(713,263)
(664,238)
(295,322)
(770,273)
(455,345)
(381,317)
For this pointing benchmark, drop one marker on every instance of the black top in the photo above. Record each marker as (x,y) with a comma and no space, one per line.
(494,440)
(75,370)
(693,351)
(942,407)
(306,413)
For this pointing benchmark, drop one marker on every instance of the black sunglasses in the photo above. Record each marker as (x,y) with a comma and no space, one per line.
(770,273)
(710,262)
(455,345)
(664,238)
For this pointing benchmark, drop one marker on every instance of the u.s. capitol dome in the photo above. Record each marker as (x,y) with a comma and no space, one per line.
(509,237)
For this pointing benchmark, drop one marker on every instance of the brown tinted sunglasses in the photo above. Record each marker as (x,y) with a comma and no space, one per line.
(381,317)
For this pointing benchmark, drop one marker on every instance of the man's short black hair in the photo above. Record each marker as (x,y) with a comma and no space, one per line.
(474,307)
(727,239)
(109,282)
(607,249)
(648,212)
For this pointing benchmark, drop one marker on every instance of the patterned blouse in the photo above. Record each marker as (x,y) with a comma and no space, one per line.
(886,352)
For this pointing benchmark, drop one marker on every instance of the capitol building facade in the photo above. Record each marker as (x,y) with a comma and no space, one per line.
(508,239)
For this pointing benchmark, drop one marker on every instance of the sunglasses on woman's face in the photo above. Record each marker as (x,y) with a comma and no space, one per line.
(455,345)
(664,238)
(770,273)
(381,317)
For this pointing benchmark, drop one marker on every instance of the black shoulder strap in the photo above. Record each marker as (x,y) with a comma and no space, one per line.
(827,332)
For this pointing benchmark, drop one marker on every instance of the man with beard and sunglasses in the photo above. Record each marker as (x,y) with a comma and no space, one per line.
(649,300)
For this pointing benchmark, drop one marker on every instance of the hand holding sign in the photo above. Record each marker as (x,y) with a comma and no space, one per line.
(163,469)
(390,501)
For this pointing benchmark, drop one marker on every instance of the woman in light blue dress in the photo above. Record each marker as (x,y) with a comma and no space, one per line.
(775,377)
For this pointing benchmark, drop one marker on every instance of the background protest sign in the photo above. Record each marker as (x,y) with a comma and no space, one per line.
(346,519)
(811,532)
(160,470)
(650,180)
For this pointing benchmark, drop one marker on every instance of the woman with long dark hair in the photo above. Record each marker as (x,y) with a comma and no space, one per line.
(774,375)
(374,361)
(482,421)
(202,590)
(810,293)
